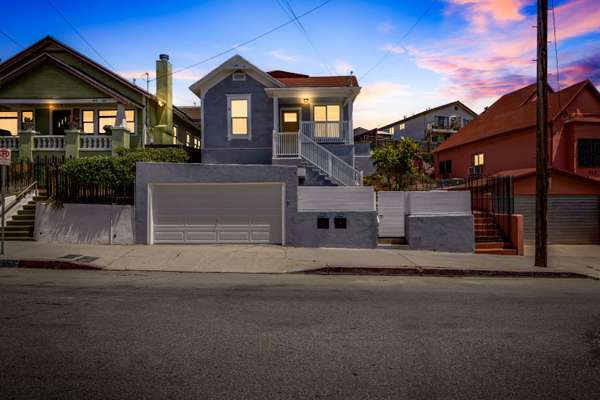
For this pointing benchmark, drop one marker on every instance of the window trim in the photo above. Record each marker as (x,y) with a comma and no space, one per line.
(248,98)
(94,121)
(476,155)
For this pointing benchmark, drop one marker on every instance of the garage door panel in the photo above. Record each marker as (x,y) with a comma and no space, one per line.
(217,213)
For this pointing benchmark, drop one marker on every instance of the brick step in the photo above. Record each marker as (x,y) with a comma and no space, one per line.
(30,213)
(19,239)
(489,229)
(487,239)
(18,228)
(29,206)
(503,252)
(40,198)
(18,234)
(493,245)
(23,218)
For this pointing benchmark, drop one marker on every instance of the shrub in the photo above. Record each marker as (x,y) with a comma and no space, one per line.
(118,171)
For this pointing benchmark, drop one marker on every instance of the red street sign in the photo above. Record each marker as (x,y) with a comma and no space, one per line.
(4,156)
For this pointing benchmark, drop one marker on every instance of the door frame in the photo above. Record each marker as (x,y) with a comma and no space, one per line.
(151,186)
(51,117)
(283,109)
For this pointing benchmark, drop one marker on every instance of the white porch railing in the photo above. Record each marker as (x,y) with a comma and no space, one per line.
(327,131)
(9,142)
(336,168)
(95,143)
(286,145)
(48,142)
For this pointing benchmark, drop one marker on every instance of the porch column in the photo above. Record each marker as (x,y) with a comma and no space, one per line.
(72,143)
(276,113)
(350,125)
(120,133)
(26,145)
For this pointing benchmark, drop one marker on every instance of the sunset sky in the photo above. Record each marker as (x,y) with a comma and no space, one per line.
(468,50)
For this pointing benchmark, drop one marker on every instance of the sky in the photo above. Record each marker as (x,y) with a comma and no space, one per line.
(407,55)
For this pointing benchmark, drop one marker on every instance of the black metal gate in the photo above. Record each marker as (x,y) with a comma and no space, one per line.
(493,197)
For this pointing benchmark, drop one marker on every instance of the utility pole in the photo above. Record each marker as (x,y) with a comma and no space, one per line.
(541,181)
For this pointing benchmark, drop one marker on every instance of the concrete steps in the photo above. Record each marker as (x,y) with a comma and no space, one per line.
(489,239)
(21,226)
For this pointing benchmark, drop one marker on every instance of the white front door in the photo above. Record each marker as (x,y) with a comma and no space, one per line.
(217,213)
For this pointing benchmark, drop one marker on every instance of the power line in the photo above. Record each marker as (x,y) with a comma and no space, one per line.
(255,38)
(556,54)
(413,26)
(6,35)
(79,33)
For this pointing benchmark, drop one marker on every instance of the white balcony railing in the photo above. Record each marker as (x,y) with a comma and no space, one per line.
(327,131)
(95,143)
(9,142)
(286,145)
(48,142)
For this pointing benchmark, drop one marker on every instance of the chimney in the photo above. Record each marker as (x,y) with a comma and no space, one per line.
(164,93)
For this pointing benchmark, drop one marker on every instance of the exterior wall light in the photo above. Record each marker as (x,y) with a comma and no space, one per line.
(305,101)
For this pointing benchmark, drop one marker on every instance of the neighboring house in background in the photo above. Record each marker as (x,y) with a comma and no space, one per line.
(364,142)
(502,141)
(432,126)
(250,116)
(56,101)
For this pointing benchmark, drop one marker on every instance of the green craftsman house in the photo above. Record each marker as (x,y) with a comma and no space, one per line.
(54,101)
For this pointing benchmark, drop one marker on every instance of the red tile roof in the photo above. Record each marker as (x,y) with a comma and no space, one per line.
(513,111)
(291,79)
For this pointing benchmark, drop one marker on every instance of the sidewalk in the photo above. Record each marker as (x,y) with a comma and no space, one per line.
(583,260)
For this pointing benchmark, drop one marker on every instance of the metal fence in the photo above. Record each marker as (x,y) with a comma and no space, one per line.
(493,196)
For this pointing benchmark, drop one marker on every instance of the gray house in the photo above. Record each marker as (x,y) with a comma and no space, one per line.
(432,126)
(250,116)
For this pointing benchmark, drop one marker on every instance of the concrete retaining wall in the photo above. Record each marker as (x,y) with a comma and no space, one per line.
(84,223)
(360,230)
(453,233)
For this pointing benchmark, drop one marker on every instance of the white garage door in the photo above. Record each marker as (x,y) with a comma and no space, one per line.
(217,213)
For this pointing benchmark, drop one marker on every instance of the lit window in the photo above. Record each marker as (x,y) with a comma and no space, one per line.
(87,118)
(239,115)
(327,120)
(402,126)
(109,117)
(188,139)
(478,159)
(175,134)
(9,123)
(26,120)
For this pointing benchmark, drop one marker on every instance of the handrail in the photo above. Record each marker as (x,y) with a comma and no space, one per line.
(19,196)
(342,172)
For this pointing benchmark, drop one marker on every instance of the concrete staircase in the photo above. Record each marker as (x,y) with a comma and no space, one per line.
(21,226)
(489,239)
(315,177)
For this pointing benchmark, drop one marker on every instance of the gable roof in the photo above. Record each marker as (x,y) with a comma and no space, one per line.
(321,81)
(285,74)
(457,103)
(514,111)
(48,45)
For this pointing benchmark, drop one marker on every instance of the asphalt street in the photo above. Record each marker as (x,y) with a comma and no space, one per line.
(115,335)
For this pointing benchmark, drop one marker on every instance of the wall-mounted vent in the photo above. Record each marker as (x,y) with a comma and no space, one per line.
(239,76)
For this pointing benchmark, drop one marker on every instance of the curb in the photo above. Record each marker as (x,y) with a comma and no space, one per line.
(48,264)
(448,272)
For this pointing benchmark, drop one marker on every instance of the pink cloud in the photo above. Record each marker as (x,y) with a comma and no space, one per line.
(481,68)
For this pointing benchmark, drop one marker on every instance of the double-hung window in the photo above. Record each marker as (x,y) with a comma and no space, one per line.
(327,120)
(109,117)
(239,121)
(478,159)
(9,123)
(87,118)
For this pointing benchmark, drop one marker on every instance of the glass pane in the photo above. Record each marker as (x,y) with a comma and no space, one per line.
(103,121)
(131,127)
(333,113)
(108,113)
(239,126)
(8,125)
(320,113)
(88,127)
(239,108)
(88,116)
(8,114)
(129,115)
(290,117)
(481,160)
(27,116)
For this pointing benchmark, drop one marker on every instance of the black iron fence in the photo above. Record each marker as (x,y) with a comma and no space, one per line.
(48,174)
(493,196)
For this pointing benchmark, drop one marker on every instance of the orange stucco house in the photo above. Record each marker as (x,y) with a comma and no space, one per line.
(501,141)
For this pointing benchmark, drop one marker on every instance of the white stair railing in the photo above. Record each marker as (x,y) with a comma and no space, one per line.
(95,143)
(336,168)
(327,131)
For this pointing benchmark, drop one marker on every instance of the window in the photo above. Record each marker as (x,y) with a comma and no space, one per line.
(9,123)
(87,118)
(446,167)
(175,134)
(466,121)
(340,222)
(402,126)
(238,111)
(327,120)
(188,139)
(239,76)
(478,159)
(109,117)
(322,223)
(442,121)
(588,153)
(27,120)
(196,143)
